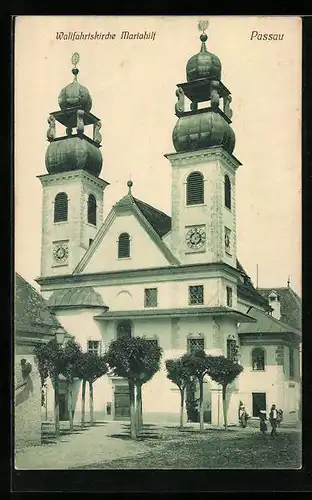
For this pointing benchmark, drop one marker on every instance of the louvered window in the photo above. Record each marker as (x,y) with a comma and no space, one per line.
(195,189)
(92,210)
(123,246)
(196,294)
(195,344)
(61,207)
(227,191)
(124,329)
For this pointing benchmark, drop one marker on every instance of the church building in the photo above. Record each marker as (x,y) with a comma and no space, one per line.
(175,280)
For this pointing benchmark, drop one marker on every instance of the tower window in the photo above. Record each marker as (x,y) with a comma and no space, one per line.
(123,246)
(291,363)
(196,294)
(227,191)
(195,189)
(90,241)
(195,344)
(124,329)
(92,210)
(150,297)
(61,207)
(257,359)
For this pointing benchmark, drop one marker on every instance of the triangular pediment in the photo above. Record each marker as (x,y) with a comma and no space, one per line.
(146,246)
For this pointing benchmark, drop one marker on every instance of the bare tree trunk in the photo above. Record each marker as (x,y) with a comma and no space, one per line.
(70,406)
(139,407)
(133,431)
(91,402)
(224,406)
(181,408)
(83,403)
(56,407)
(201,406)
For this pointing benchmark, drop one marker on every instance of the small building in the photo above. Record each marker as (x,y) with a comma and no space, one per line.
(34,324)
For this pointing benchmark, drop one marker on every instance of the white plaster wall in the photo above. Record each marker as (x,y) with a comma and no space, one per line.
(144,253)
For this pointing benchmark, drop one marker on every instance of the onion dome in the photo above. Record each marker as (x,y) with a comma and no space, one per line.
(202,130)
(204,64)
(73,153)
(75,94)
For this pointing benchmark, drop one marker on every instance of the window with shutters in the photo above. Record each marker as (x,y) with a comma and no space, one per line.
(195,344)
(195,189)
(124,329)
(92,210)
(150,297)
(123,246)
(61,207)
(227,191)
(196,294)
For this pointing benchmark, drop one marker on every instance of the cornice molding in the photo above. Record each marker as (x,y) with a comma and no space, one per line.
(203,156)
(51,179)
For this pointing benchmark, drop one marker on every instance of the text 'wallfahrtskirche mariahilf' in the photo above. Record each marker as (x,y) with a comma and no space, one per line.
(97,35)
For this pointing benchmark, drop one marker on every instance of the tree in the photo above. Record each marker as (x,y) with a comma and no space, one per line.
(71,354)
(223,371)
(91,367)
(178,373)
(49,358)
(196,363)
(136,359)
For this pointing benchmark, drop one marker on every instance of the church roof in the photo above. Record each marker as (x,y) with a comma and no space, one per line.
(78,297)
(159,221)
(32,314)
(265,324)
(290,304)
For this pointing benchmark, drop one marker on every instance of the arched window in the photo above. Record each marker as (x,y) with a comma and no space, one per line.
(123,245)
(195,189)
(257,359)
(227,191)
(60,207)
(124,329)
(92,210)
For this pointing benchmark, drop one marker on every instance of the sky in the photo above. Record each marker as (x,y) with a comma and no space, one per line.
(132,84)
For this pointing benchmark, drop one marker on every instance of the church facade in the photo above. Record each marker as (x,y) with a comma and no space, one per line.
(174,280)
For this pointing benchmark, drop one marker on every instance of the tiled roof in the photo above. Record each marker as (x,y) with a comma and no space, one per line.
(32,313)
(160,222)
(247,290)
(265,324)
(78,297)
(290,302)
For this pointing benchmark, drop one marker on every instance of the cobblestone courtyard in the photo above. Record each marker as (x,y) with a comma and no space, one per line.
(108,446)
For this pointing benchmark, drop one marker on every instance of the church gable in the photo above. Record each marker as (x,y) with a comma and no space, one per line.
(126,241)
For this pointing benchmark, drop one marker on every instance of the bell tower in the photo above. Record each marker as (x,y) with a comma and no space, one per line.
(203,167)
(72,209)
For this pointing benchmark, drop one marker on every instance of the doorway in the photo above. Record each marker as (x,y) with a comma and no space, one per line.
(122,402)
(258,403)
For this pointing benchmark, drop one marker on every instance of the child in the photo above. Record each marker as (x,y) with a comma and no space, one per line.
(263,425)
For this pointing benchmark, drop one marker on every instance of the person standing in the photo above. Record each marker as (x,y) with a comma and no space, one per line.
(263,425)
(273,419)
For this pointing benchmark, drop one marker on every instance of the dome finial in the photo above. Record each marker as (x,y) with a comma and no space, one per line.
(75,60)
(202,26)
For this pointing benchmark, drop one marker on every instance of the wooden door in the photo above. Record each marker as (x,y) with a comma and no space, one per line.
(122,402)
(258,403)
